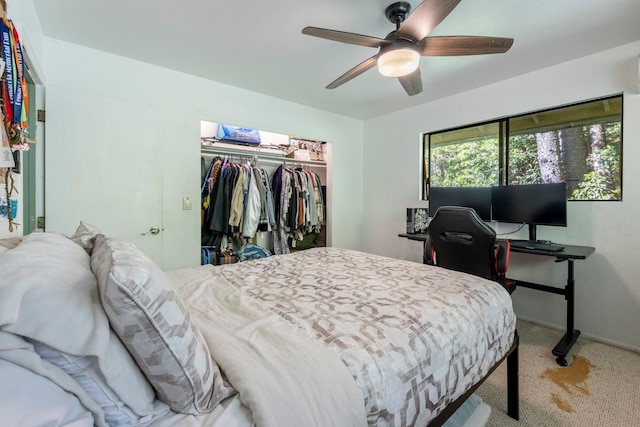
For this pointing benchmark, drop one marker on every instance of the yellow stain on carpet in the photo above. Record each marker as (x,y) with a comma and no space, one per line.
(572,379)
(561,403)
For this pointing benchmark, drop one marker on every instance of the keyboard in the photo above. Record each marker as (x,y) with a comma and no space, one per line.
(538,246)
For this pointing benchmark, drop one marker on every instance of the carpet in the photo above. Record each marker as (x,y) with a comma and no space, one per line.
(600,387)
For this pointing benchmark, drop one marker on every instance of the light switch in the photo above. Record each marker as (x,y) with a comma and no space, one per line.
(186,203)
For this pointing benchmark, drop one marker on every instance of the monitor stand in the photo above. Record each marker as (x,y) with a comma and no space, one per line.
(532,233)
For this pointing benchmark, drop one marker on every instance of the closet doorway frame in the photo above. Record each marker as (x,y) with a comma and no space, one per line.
(328,174)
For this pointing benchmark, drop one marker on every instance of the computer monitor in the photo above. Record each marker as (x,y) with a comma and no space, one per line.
(478,198)
(532,204)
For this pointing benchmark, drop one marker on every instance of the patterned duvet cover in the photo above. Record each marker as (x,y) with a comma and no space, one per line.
(414,337)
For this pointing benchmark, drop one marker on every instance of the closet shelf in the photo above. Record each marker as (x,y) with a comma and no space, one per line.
(261,155)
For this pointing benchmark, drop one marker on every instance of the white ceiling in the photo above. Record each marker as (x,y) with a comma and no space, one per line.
(258,45)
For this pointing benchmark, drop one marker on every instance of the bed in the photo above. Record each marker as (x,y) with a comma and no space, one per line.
(96,334)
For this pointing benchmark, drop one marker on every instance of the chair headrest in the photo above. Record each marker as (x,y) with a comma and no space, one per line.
(458,219)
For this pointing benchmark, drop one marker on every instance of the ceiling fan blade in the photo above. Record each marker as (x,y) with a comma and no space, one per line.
(412,83)
(354,72)
(344,37)
(425,18)
(463,45)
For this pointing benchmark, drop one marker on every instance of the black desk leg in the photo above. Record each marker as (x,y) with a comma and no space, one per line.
(566,342)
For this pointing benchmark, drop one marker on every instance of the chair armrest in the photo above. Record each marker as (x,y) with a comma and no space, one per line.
(503,250)
(502,256)
(429,251)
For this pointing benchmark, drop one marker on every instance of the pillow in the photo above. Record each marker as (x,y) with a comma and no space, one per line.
(10,242)
(156,328)
(86,372)
(85,236)
(238,134)
(49,294)
(41,279)
(33,400)
(15,350)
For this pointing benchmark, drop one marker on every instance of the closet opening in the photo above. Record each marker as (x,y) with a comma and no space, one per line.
(261,192)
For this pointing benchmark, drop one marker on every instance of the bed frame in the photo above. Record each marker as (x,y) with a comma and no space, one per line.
(513,403)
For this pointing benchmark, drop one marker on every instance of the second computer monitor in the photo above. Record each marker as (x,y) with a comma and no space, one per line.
(535,204)
(478,198)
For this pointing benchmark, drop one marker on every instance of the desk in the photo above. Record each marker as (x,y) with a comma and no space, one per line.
(569,254)
(414,236)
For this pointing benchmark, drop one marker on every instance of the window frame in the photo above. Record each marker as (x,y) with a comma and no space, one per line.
(504,146)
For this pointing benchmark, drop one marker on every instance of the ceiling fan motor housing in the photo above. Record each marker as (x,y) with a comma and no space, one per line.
(397,12)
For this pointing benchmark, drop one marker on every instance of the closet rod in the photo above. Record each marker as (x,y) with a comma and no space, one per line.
(262,156)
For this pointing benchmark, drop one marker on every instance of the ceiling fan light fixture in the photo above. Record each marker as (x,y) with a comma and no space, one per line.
(401,50)
(398,62)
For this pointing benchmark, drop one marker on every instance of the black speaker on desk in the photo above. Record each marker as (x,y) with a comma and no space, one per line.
(417,220)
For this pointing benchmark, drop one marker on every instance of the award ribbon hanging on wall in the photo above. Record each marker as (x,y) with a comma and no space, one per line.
(13,102)
(7,56)
(15,84)
(20,104)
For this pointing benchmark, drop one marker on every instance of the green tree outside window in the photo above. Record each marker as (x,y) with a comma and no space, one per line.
(580,144)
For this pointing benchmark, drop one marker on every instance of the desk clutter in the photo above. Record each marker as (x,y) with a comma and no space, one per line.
(417,220)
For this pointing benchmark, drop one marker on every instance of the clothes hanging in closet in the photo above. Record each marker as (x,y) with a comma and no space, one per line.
(298,205)
(236,201)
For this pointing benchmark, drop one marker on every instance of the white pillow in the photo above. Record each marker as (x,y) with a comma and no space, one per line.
(42,278)
(85,236)
(49,294)
(86,371)
(30,400)
(14,349)
(154,325)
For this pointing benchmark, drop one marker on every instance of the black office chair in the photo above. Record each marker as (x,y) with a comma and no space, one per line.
(458,239)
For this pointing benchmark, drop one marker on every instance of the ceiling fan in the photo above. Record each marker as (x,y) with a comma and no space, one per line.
(400,51)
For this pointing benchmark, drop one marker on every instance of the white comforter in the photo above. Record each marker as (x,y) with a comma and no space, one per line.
(285,377)
(332,337)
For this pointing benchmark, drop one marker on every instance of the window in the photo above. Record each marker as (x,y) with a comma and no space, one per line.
(579,144)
